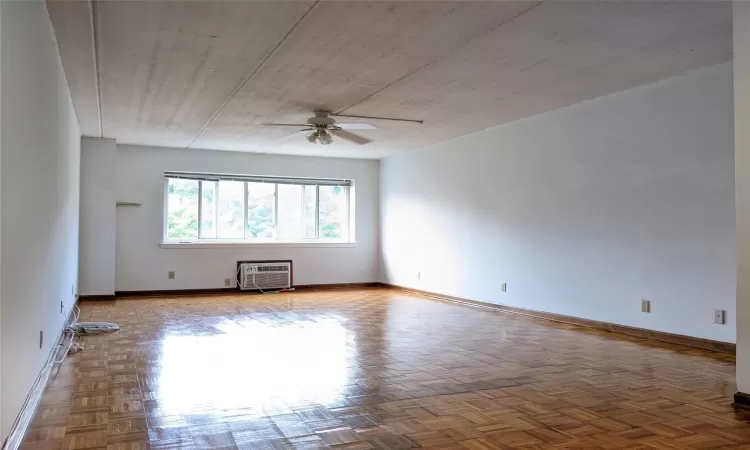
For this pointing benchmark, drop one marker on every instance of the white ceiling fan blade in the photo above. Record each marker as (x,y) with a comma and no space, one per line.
(285,125)
(356,126)
(351,137)
(378,118)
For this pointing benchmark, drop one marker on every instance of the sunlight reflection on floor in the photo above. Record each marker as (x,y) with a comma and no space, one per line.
(303,362)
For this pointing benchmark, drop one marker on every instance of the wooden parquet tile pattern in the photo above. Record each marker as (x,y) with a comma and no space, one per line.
(375,369)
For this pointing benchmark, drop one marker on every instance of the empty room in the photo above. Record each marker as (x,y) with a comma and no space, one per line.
(303,224)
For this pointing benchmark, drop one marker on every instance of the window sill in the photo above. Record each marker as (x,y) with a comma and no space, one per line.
(235,244)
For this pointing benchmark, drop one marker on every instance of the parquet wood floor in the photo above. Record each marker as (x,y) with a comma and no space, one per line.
(375,369)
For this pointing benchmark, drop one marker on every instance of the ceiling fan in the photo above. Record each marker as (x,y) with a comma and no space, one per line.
(323,126)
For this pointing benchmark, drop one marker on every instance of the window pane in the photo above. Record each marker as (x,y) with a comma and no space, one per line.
(231,204)
(182,209)
(290,211)
(208,210)
(260,210)
(310,200)
(334,212)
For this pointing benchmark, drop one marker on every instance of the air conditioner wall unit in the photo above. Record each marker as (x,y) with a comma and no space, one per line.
(264,275)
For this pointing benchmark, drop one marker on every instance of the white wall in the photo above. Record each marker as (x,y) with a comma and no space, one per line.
(742,187)
(40,188)
(583,211)
(142,265)
(96,265)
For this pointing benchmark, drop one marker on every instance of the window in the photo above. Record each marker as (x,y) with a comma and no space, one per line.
(182,208)
(231,208)
(333,212)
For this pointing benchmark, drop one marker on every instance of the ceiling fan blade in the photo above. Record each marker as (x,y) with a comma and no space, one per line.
(351,137)
(284,125)
(356,126)
(378,118)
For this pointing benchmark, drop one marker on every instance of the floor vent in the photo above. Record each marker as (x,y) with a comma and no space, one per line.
(265,276)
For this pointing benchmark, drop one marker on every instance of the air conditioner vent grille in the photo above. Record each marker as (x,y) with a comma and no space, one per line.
(265,276)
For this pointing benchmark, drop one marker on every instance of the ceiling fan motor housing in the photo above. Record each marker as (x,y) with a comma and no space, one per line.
(320,121)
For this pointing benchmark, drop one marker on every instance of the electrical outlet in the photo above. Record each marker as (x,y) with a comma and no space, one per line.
(170,274)
(41,338)
(419,275)
(227,281)
(646,306)
(61,307)
(504,287)
(72,289)
(720,316)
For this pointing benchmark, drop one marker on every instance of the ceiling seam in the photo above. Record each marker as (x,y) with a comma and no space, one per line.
(255,71)
(97,75)
(433,61)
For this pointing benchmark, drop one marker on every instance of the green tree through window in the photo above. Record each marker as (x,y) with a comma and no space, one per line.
(260,210)
(182,198)
(333,212)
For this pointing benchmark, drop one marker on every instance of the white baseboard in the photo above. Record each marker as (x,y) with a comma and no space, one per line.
(21,425)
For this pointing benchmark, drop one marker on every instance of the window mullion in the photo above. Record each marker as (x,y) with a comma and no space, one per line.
(301,199)
(244,226)
(275,210)
(348,213)
(200,209)
(317,212)
(165,212)
(216,210)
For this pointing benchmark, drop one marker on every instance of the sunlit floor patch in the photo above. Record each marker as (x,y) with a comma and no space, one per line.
(255,366)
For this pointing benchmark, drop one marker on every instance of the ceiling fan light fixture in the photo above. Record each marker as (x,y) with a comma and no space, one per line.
(313,137)
(324,138)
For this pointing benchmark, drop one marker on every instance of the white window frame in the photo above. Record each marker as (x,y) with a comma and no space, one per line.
(199,242)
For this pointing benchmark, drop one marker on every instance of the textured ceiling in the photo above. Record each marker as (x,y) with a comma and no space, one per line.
(208,74)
